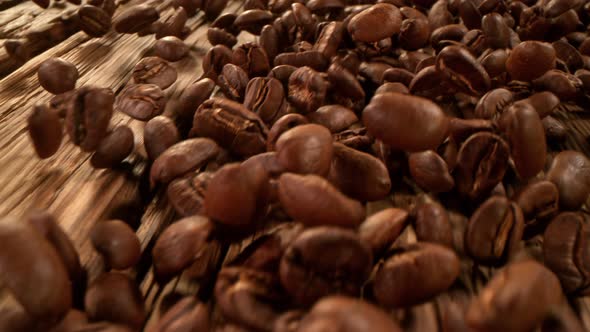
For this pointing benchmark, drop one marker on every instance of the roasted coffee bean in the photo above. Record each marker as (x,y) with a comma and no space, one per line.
(186,315)
(89,112)
(492,104)
(305,149)
(496,32)
(114,148)
(380,230)
(154,70)
(226,22)
(253,20)
(231,125)
(233,81)
(340,313)
(524,130)
(213,8)
(323,261)
(500,306)
(240,187)
(217,36)
(283,124)
(265,96)
(481,164)
(398,75)
(173,25)
(334,117)
(94,21)
(135,18)
(252,58)
(213,62)
(329,39)
(462,69)
(565,86)
(415,30)
(159,134)
(187,194)
(345,82)
(414,273)
(494,231)
(392,87)
(494,62)
(171,48)
(461,129)
(312,59)
(114,297)
(555,130)
(117,243)
(181,158)
(430,171)
(405,122)
(431,222)
(449,32)
(29,259)
(570,173)
(282,73)
(193,96)
(307,89)
(236,286)
(303,197)
(362,26)
(539,200)
(543,102)
(141,101)
(530,59)
(568,54)
(358,174)
(57,75)
(179,245)
(270,41)
(45,130)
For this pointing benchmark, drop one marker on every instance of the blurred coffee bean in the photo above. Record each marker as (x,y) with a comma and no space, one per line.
(117,243)
(57,75)
(114,148)
(570,173)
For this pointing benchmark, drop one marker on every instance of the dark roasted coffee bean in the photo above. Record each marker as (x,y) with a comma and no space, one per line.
(307,89)
(450,32)
(305,149)
(398,75)
(392,87)
(29,259)
(179,245)
(231,125)
(173,25)
(114,297)
(141,101)
(570,171)
(283,124)
(323,261)
(414,273)
(154,70)
(494,231)
(565,86)
(345,82)
(415,30)
(57,75)
(45,130)
(213,62)
(94,20)
(282,73)
(159,134)
(270,41)
(463,70)
(543,102)
(253,20)
(114,148)
(405,122)
(252,58)
(461,129)
(568,54)
(334,117)
(181,158)
(555,130)
(431,222)
(492,104)
(312,59)
(496,32)
(495,62)
(89,112)
(481,164)
(135,18)
(265,96)
(329,39)
(430,171)
(193,96)
(233,81)
(539,201)
(362,26)
(499,306)
(187,194)
(380,230)
(171,48)
(213,8)
(217,36)
(304,196)
(117,243)
(187,314)
(530,59)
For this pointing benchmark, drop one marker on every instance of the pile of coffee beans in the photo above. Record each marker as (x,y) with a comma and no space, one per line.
(399,161)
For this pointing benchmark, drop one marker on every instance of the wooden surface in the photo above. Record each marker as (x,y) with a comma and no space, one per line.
(68,186)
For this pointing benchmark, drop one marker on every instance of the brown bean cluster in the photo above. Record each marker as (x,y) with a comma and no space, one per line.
(400,163)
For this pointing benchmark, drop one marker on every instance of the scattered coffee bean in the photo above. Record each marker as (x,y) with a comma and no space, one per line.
(114,148)
(154,70)
(135,19)
(45,130)
(117,243)
(570,173)
(159,134)
(171,48)
(94,20)
(57,75)
(141,101)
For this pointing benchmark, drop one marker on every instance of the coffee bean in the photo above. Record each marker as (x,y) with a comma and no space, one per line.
(492,104)
(141,101)
(432,224)
(530,59)
(305,196)
(159,134)
(345,82)
(252,58)
(414,273)
(334,117)
(253,20)
(114,148)
(430,171)
(307,89)
(539,200)
(187,313)
(405,122)
(57,75)
(94,21)
(569,172)
(462,69)
(494,62)
(283,124)
(193,96)
(496,32)
(233,81)
(329,39)
(135,18)
(415,30)
(117,243)
(265,96)
(173,25)
(171,48)
(187,194)
(381,229)
(45,130)
(362,27)
(305,149)
(154,70)
(213,8)
(564,85)
(214,60)
(555,130)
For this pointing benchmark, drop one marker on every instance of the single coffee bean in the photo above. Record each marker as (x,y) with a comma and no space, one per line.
(187,314)
(530,59)
(179,245)
(380,230)
(193,96)
(141,101)
(312,59)
(173,25)
(283,124)
(539,200)
(414,273)
(57,75)
(392,87)
(45,130)
(114,297)
(233,81)
(171,48)
(494,62)
(568,54)
(253,20)
(449,32)
(29,259)
(334,117)
(496,32)
(159,134)
(555,130)
(305,149)
(564,85)
(362,26)
(461,129)
(494,231)
(499,306)
(430,171)
(154,70)
(265,96)
(135,18)
(307,89)
(114,148)
(462,69)
(323,261)
(305,196)
(481,164)
(431,222)
(345,82)
(241,187)
(545,103)
(213,8)
(187,194)
(117,243)
(231,125)
(214,60)
(415,30)
(570,171)
(89,111)
(94,21)
(340,313)
(398,75)
(329,39)
(405,122)
(217,36)
(252,58)
(492,104)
